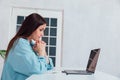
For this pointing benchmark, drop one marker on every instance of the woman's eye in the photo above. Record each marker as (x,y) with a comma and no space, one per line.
(41,29)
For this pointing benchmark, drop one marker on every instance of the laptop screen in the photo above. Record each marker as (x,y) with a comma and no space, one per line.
(93,58)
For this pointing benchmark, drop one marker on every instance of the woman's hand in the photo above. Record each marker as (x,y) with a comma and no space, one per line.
(39,47)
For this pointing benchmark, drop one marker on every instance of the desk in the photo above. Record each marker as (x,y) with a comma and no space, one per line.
(62,76)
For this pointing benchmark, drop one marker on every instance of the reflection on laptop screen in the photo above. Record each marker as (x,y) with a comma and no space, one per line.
(93,60)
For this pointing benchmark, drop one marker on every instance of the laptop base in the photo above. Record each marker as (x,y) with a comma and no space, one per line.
(78,72)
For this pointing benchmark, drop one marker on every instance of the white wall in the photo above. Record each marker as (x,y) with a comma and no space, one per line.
(88,24)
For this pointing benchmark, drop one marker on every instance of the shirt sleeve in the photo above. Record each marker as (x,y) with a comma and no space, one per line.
(26,62)
(48,65)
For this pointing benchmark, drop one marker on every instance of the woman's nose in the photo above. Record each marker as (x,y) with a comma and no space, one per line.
(42,34)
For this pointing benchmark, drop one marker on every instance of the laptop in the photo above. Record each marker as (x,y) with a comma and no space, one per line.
(91,65)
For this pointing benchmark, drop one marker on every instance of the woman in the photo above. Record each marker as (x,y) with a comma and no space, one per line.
(25,57)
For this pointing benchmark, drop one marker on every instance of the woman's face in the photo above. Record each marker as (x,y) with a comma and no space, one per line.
(38,33)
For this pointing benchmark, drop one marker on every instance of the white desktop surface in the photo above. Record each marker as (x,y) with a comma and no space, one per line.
(52,75)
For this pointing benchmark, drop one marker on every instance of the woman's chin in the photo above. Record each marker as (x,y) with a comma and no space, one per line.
(40,38)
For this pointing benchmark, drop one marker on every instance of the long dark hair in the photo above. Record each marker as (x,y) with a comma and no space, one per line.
(30,24)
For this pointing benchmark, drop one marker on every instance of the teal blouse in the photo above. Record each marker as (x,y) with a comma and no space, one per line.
(22,62)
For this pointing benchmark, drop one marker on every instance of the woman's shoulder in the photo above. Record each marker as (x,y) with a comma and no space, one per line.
(22,45)
(22,41)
